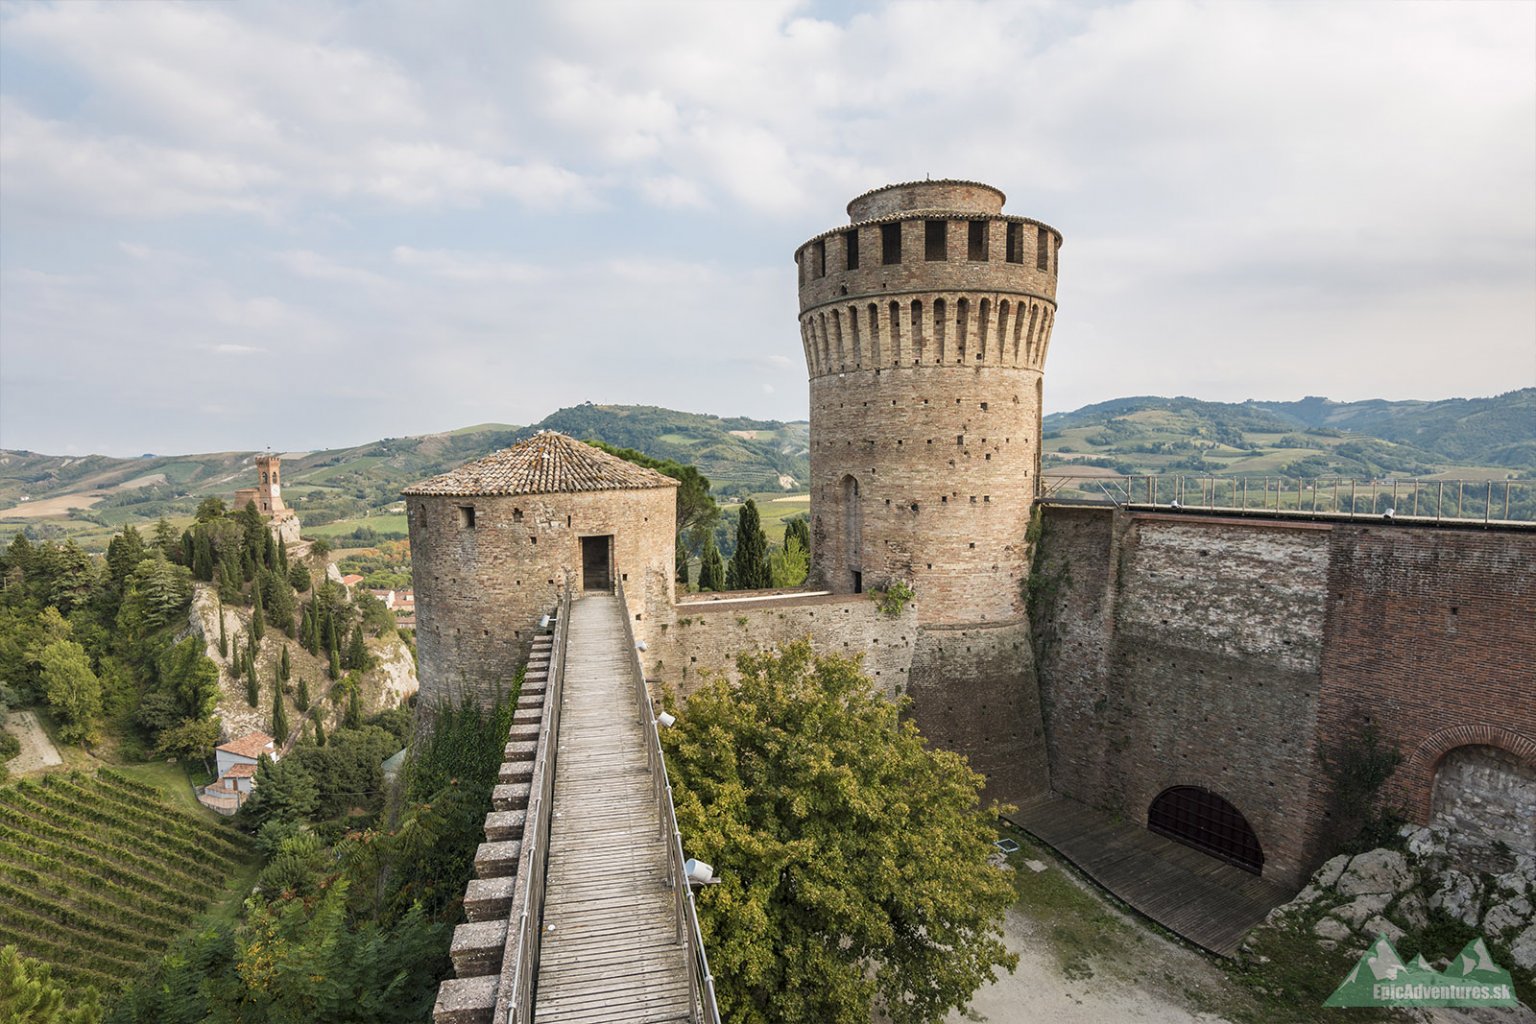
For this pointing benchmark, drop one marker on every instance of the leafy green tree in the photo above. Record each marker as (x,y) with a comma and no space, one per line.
(190,740)
(279,717)
(696,508)
(281,791)
(298,577)
(853,856)
(190,678)
(73,691)
(711,566)
(789,564)
(357,651)
(29,995)
(800,529)
(158,593)
(210,508)
(124,552)
(749,568)
(65,575)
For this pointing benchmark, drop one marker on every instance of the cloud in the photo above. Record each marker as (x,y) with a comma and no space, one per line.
(228,349)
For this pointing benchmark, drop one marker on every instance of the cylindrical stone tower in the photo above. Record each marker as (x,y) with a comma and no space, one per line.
(925,325)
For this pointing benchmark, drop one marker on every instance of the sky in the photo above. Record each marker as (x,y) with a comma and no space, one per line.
(301,223)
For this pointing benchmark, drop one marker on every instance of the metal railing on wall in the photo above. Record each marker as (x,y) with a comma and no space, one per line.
(515,1006)
(1479,501)
(701,983)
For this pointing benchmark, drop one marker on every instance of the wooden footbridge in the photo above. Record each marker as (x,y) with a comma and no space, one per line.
(581,912)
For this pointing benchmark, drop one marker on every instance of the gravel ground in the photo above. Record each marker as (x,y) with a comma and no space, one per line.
(37,750)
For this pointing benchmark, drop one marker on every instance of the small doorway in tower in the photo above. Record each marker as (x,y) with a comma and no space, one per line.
(596,562)
(858,582)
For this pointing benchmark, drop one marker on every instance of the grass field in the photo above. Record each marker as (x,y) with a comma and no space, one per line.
(774,508)
(99,873)
(344,527)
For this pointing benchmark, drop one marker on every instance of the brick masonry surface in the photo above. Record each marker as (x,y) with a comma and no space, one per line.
(481,590)
(1235,654)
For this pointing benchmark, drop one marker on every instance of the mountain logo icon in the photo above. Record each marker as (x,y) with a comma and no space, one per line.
(1381,978)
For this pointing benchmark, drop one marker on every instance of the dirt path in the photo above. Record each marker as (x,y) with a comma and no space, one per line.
(37,750)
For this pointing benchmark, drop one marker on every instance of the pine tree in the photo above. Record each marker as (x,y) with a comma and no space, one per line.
(354,719)
(223,641)
(284,668)
(279,716)
(252,689)
(711,566)
(301,699)
(680,562)
(749,564)
(258,618)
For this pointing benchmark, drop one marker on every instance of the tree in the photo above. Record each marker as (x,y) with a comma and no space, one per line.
(301,699)
(188,741)
(357,651)
(788,565)
(319,727)
(800,529)
(223,640)
(210,508)
(166,539)
(334,670)
(281,791)
(29,993)
(711,566)
(284,668)
(258,617)
(354,716)
(680,563)
(696,508)
(853,856)
(190,678)
(279,717)
(749,564)
(73,691)
(298,577)
(252,687)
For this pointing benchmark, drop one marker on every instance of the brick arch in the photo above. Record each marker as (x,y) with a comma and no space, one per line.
(1418,771)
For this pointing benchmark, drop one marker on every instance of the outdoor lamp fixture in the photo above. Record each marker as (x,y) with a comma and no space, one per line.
(665,720)
(544,622)
(699,873)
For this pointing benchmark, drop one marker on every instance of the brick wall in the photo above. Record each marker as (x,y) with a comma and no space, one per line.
(480,591)
(1233,654)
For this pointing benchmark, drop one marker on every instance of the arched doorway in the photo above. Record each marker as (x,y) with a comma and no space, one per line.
(1199,818)
(853,533)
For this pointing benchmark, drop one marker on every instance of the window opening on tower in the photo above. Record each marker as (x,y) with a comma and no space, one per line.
(851,249)
(977,241)
(1042,249)
(936,240)
(890,243)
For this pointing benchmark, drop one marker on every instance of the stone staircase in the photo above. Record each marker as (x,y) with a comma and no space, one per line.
(480,944)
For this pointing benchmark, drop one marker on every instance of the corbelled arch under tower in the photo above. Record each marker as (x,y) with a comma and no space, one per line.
(925,324)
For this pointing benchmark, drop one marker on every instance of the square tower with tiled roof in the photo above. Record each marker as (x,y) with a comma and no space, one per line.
(494,542)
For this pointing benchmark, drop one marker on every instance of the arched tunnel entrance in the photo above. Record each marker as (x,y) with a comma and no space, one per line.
(1199,818)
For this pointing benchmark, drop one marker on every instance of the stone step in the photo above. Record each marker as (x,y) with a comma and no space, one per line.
(528,716)
(515,771)
(501,825)
(531,702)
(497,860)
(466,1001)
(525,732)
(477,948)
(521,749)
(489,899)
(511,797)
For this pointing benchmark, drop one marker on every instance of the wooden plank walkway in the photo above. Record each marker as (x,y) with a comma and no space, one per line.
(1207,901)
(610,944)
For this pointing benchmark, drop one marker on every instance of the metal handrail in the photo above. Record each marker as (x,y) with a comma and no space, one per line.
(1464,501)
(515,1004)
(701,983)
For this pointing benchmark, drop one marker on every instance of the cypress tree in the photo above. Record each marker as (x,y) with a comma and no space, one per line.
(800,529)
(282,555)
(252,689)
(202,556)
(279,716)
(711,566)
(301,699)
(319,729)
(354,719)
(335,663)
(247,566)
(268,550)
(258,618)
(284,669)
(223,641)
(357,650)
(749,565)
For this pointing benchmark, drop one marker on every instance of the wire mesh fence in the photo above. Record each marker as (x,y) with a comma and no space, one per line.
(1484,501)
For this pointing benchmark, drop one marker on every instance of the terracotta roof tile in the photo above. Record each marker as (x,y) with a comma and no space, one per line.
(251,745)
(240,771)
(546,463)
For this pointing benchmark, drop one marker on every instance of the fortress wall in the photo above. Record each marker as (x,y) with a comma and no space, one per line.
(480,591)
(1432,636)
(1234,654)
(1178,651)
(704,637)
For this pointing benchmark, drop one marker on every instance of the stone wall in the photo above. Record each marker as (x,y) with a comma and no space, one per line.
(1236,654)
(705,636)
(481,590)
(1485,799)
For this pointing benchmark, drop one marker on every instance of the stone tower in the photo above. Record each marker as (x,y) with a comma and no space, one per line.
(495,541)
(925,324)
(268,496)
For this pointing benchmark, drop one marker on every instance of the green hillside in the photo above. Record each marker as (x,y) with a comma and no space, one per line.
(98,874)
